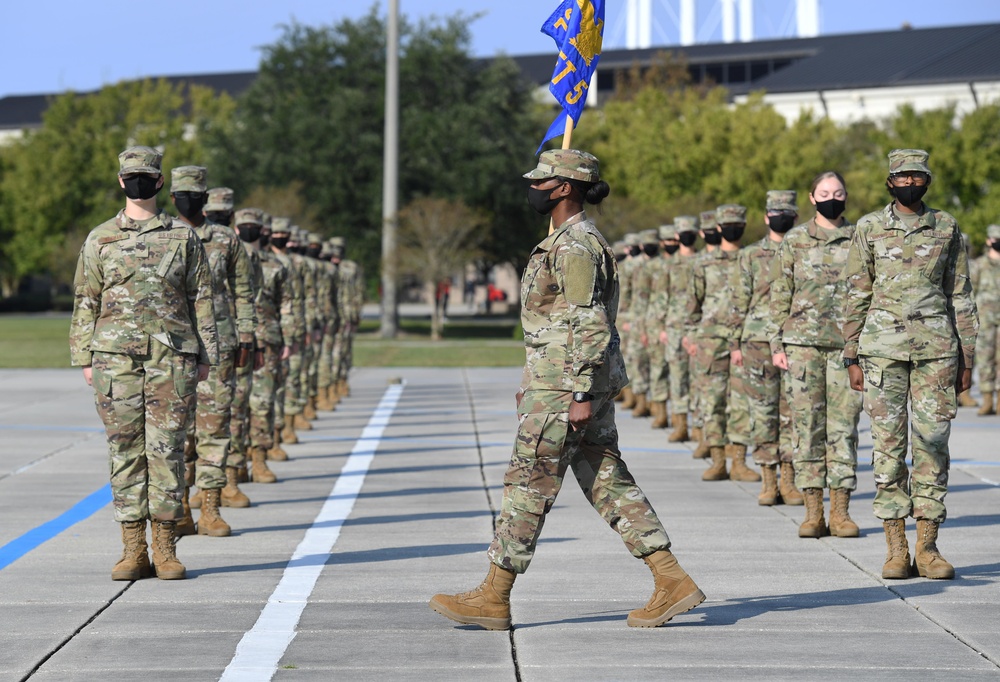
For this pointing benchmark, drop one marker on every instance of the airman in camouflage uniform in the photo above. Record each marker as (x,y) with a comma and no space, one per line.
(351,297)
(807,290)
(986,284)
(713,238)
(633,254)
(710,311)
(637,357)
(143,329)
(911,319)
(679,283)
(656,326)
(569,296)
(327,398)
(234,318)
(291,394)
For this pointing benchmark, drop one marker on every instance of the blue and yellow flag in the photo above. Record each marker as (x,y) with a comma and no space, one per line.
(577,26)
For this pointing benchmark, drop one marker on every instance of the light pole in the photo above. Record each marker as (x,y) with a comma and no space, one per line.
(390,177)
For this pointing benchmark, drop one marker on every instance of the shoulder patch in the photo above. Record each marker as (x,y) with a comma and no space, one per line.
(580,275)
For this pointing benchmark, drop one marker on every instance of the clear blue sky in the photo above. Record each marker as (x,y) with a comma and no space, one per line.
(54,45)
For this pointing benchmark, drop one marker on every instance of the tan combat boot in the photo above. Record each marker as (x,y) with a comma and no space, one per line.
(769,490)
(680,432)
(620,396)
(965,399)
(487,606)
(716,472)
(739,470)
(641,408)
(309,411)
(628,402)
(194,502)
(165,563)
(288,433)
(323,403)
(841,524)
(211,523)
(697,433)
(259,471)
(231,495)
(345,388)
(243,472)
(185,526)
(333,395)
(660,417)
(897,558)
(789,493)
(276,454)
(814,525)
(301,423)
(927,559)
(134,563)
(674,592)
(988,406)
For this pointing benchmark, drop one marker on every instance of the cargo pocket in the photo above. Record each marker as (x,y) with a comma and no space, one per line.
(872,372)
(528,502)
(185,375)
(101,381)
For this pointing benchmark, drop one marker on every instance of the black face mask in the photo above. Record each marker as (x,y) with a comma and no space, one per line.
(671,249)
(279,242)
(265,237)
(688,238)
(313,251)
(634,251)
(141,186)
(189,204)
(995,246)
(249,233)
(650,249)
(732,233)
(831,209)
(219,217)
(908,195)
(781,223)
(539,200)
(713,237)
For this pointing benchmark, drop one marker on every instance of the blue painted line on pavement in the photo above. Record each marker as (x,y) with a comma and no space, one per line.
(85,508)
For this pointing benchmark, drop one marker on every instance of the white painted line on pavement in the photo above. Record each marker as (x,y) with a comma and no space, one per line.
(260,650)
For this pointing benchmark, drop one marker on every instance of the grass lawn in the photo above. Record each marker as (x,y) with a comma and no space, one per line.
(43,341)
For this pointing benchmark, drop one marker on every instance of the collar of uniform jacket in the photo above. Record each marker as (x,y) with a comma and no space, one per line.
(549,241)
(160,220)
(825,235)
(894,222)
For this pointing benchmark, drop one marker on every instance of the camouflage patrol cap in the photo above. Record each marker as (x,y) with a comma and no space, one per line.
(727,214)
(782,200)
(188,179)
(686,223)
(618,248)
(140,159)
(649,237)
(265,219)
(632,239)
(314,238)
(338,241)
(667,232)
(903,160)
(281,225)
(219,199)
(567,163)
(707,220)
(993,232)
(249,216)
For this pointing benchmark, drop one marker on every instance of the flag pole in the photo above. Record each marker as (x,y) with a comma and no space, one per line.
(567,141)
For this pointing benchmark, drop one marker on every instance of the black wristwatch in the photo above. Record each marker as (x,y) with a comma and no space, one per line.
(850,361)
(581,397)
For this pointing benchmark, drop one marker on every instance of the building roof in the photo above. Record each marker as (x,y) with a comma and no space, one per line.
(905,57)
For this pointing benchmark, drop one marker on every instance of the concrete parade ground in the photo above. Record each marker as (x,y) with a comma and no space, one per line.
(391,498)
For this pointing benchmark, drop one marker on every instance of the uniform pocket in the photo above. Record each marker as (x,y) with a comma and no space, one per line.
(185,375)
(101,381)
(527,501)
(872,372)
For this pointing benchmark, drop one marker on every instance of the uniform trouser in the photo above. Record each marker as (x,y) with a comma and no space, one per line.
(696,379)
(930,387)
(263,398)
(659,371)
(325,375)
(240,421)
(279,394)
(678,361)
(545,446)
(145,402)
(758,408)
(825,412)
(342,352)
(212,421)
(712,364)
(293,384)
(637,365)
(309,354)
(986,356)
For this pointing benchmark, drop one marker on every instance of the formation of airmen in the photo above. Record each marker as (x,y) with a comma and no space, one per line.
(211,339)
(776,346)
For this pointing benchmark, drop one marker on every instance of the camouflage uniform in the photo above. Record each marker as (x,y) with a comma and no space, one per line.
(911,318)
(709,311)
(569,296)
(143,320)
(679,282)
(625,271)
(331,324)
(350,297)
(293,402)
(807,290)
(986,285)
(233,298)
(637,355)
(697,378)
(656,320)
